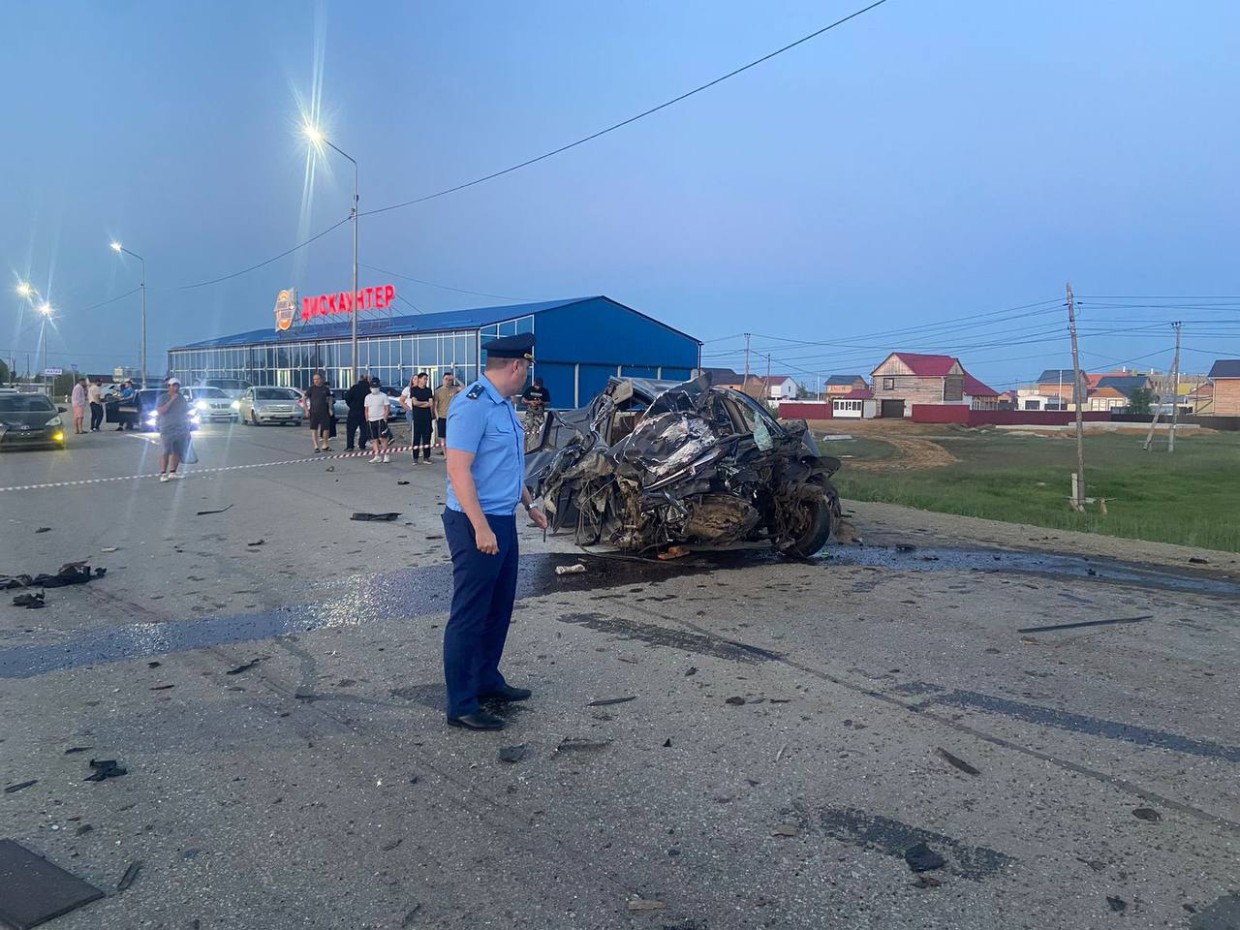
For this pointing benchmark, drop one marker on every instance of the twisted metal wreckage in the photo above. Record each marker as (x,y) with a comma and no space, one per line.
(650,464)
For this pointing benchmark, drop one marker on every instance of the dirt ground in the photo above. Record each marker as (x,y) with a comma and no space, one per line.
(913,451)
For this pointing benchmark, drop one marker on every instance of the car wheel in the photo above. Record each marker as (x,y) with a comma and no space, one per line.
(807,518)
(254,419)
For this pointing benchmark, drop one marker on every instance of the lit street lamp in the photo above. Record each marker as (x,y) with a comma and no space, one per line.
(118,249)
(318,139)
(46,310)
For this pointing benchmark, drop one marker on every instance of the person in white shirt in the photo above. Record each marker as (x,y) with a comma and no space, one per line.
(95,394)
(376,421)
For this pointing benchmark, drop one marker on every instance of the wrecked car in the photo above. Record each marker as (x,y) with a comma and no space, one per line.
(652,464)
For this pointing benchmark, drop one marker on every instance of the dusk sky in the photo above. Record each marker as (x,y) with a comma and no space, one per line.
(866,191)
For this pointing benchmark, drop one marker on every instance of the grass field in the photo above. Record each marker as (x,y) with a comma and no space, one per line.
(1191,497)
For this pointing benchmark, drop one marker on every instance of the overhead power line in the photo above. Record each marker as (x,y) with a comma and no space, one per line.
(442,287)
(620,125)
(531,161)
(263,264)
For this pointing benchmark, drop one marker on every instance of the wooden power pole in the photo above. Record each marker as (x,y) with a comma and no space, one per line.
(1175,389)
(1078,503)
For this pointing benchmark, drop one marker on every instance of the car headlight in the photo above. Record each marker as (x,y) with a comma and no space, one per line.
(151,418)
(201,405)
(236,405)
(55,421)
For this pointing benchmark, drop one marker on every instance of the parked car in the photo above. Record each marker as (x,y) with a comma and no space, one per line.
(29,421)
(261,405)
(233,387)
(213,404)
(650,464)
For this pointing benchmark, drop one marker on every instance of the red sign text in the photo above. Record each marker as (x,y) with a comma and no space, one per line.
(368,298)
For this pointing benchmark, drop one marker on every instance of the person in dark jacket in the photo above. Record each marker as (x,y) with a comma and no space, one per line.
(355,397)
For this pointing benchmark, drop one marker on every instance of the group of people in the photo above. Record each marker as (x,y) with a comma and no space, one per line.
(88,395)
(369,411)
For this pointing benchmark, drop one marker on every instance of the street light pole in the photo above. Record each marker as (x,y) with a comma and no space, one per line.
(118,248)
(316,136)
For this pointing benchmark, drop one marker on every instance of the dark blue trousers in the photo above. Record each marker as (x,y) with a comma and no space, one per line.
(483,589)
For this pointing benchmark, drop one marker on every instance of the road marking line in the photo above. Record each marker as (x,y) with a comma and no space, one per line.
(198,471)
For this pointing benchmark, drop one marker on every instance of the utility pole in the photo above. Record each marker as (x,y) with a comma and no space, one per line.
(767,387)
(1079,503)
(1175,388)
(745,384)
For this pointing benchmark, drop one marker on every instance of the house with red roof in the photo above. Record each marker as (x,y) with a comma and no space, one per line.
(907,378)
(980,396)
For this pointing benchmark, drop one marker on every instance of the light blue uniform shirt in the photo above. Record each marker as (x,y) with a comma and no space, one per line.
(485,424)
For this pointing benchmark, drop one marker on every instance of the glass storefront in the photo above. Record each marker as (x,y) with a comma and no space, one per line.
(394,358)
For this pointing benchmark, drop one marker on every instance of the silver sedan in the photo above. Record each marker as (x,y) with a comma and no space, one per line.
(262,405)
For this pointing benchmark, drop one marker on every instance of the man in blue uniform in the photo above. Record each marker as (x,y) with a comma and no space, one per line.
(486,471)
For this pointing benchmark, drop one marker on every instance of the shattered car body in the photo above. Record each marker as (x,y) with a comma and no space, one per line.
(650,464)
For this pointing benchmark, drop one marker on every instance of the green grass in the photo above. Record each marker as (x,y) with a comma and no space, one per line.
(1191,497)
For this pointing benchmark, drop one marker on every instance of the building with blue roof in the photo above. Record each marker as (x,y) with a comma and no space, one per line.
(581,343)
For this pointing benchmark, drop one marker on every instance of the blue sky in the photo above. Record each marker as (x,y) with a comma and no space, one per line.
(924,163)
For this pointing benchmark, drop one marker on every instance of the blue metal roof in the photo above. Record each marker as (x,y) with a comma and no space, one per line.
(403,325)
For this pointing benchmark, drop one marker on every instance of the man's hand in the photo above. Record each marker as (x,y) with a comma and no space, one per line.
(485,540)
(539,518)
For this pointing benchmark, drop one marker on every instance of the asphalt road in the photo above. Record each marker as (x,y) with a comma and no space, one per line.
(773,737)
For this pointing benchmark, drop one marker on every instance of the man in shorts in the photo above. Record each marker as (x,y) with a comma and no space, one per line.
(174,432)
(319,410)
(443,400)
(377,406)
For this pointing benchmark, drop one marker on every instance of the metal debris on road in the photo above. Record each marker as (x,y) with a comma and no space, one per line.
(245,666)
(782,749)
(512,753)
(691,671)
(1118,905)
(375,517)
(644,904)
(110,549)
(74,750)
(785,829)
(44,529)
(257,542)
(736,701)
(205,513)
(956,762)
(1148,814)
(20,786)
(1084,623)
(37,890)
(604,702)
(572,743)
(921,858)
(105,769)
(30,601)
(673,552)
(1197,560)
(576,569)
(68,574)
(131,873)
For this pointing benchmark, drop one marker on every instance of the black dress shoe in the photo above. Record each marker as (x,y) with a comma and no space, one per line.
(506,694)
(478,720)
